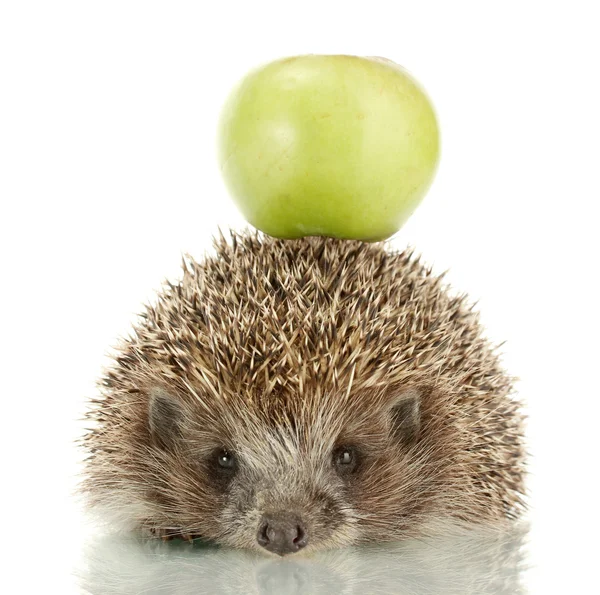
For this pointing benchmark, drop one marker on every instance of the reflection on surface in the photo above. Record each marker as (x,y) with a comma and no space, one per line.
(474,563)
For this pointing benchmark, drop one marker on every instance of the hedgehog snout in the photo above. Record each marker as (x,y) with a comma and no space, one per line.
(282,533)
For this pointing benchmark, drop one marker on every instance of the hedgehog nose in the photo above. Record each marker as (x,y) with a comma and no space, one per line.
(281,533)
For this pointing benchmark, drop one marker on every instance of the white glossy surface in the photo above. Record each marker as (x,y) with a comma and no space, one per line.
(456,566)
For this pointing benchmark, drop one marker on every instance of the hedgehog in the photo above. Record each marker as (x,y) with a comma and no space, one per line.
(305,394)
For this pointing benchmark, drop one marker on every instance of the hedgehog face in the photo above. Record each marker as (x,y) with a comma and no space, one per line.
(283,477)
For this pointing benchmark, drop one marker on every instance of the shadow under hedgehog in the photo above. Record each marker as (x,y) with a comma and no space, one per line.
(305,394)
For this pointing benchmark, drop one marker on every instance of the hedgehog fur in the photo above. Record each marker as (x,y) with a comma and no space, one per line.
(309,393)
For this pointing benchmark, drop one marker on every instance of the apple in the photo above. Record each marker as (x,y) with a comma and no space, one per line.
(330,145)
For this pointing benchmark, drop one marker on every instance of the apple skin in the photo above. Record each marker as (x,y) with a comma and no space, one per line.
(328,145)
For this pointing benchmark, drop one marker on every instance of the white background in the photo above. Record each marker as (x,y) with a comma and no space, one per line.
(108,172)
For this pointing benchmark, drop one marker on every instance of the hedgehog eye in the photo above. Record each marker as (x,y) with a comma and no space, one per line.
(345,459)
(222,465)
(225,459)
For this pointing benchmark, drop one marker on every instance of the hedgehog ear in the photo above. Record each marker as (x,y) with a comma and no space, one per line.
(164,417)
(405,414)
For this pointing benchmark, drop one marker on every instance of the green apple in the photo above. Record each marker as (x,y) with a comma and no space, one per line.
(340,146)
